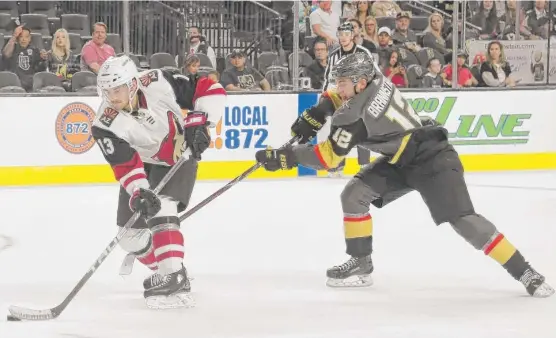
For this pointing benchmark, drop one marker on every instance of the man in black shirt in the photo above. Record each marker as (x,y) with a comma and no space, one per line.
(315,71)
(23,59)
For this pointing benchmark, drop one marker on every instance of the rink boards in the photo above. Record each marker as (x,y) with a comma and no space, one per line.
(47,140)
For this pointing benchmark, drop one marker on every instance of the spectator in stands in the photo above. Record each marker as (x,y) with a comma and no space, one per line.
(242,78)
(304,11)
(509,20)
(384,46)
(96,51)
(358,36)
(402,35)
(496,71)
(349,9)
(432,79)
(315,71)
(214,76)
(371,30)
(487,19)
(433,35)
(395,71)
(363,10)
(537,21)
(465,77)
(22,58)
(382,8)
(198,44)
(325,23)
(60,56)
(191,65)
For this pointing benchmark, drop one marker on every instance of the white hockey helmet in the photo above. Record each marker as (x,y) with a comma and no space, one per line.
(115,72)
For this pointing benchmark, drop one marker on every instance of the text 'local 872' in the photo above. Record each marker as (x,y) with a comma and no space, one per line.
(241,127)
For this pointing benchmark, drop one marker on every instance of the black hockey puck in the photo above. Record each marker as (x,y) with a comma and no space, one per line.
(11,318)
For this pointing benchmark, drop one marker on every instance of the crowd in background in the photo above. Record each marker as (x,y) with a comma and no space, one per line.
(414,48)
(419,54)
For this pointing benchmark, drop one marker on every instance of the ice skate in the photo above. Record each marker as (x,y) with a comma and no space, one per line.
(535,284)
(156,279)
(356,272)
(169,291)
(152,281)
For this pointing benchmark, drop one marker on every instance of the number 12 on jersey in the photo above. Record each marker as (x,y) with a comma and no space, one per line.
(402,112)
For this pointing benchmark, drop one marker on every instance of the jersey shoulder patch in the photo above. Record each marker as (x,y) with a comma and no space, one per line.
(149,77)
(108,116)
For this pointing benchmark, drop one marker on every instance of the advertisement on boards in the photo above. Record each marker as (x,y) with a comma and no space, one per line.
(494,122)
(250,123)
(490,122)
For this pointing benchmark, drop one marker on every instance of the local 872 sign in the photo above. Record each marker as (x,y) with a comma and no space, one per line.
(241,127)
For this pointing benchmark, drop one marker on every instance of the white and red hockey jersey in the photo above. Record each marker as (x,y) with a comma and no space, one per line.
(154,133)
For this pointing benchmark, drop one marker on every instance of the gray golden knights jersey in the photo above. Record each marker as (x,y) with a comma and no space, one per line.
(378,119)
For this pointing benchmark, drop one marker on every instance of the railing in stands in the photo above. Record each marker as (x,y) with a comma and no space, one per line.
(149,27)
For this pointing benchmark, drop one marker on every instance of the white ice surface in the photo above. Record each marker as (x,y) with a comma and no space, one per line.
(258,255)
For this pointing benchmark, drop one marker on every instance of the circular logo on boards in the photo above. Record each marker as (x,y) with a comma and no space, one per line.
(73,127)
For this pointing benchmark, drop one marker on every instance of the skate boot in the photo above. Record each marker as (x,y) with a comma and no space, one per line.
(169,291)
(152,281)
(356,272)
(156,279)
(535,285)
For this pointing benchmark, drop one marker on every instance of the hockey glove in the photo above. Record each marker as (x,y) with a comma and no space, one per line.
(428,121)
(306,127)
(197,135)
(276,159)
(145,201)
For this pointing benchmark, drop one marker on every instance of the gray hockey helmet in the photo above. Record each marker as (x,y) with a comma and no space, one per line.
(355,66)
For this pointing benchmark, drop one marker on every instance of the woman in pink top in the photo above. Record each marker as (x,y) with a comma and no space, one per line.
(95,52)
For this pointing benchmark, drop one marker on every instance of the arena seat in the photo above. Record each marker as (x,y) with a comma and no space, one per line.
(10,83)
(83,81)
(76,23)
(115,41)
(160,60)
(37,23)
(47,82)
(76,44)
(7,26)
(11,8)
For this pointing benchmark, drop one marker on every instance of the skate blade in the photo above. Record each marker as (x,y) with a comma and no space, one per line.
(178,300)
(543,291)
(350,282)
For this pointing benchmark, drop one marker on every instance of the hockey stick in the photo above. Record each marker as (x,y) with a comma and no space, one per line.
(127,264)
(20,313)
(225,188)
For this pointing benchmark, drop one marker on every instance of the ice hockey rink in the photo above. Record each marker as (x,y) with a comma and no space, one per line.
(258,255)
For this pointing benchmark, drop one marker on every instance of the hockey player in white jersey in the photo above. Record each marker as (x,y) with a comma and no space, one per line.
(142,132)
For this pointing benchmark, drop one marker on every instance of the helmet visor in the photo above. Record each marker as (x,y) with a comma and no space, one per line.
(117,97)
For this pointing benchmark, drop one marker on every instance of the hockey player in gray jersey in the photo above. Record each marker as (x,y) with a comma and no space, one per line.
(416,156)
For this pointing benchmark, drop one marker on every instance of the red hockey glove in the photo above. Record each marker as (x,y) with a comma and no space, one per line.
(197,135)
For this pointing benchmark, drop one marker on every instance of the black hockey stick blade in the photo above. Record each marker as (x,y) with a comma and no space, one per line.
(225,188)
